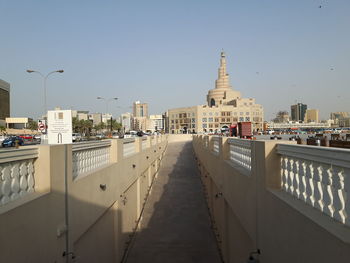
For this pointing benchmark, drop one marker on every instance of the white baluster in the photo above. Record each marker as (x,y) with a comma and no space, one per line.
(309,184)
(296,180)
(318,191)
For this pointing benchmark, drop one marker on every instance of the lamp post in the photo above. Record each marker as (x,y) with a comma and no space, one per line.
(44,81)
(107,101)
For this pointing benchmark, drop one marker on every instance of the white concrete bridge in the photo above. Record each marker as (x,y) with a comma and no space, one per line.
(175,199)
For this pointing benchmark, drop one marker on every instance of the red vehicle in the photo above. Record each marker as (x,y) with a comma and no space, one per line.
(26,137)
(241,129)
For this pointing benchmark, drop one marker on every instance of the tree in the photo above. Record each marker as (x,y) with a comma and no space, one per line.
(2,129)
(115,125)
(100,126)
(75,124)
(85,127)
(32,125)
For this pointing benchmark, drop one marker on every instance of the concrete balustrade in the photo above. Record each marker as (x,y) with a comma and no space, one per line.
(87,195)
(289,201)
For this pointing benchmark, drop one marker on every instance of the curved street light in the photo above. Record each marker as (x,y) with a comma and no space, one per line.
(44,80)
(107,101)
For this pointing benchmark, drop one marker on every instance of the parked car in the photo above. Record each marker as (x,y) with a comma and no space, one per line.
(100,136)
(76,137)
(26,137)
(2,138)
(11,141)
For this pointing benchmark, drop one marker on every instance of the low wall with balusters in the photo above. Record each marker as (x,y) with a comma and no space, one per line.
(290,202)
(75,203)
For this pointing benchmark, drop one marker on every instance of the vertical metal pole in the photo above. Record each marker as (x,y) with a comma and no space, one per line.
(45,103)
(66,202)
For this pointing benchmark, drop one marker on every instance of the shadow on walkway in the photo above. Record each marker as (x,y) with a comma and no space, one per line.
(175,225)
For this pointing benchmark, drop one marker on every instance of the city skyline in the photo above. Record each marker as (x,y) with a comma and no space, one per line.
(166,53)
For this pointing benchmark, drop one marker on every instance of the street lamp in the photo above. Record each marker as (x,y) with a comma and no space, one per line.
(44,80)
(107,101)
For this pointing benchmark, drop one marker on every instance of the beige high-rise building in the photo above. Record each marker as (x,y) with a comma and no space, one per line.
(4,101)
(140,109)
(225,107)
(311,115)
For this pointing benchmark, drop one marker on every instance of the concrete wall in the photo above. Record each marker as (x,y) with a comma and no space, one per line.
(100,221)
(251,212)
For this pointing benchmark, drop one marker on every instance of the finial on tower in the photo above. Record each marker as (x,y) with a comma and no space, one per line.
(222,53)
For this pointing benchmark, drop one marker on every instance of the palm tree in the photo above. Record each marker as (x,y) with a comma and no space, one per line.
(32,125)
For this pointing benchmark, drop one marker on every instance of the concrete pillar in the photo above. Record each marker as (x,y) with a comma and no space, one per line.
(120,150)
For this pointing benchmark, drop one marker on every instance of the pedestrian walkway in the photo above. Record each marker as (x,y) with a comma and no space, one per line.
(175,224)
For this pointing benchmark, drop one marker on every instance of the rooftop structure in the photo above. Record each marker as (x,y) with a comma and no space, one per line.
(225,107)
(4,101)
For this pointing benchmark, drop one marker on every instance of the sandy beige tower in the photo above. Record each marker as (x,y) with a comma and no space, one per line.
(223,94)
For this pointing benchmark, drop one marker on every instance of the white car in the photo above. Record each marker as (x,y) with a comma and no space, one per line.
(2,138)
(76,137)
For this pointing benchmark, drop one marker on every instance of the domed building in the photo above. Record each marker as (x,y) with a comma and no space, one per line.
(225,107)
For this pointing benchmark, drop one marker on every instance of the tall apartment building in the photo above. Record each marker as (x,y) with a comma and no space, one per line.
(140,113)
(156,123)
(140,109)
(4,102)
(225,106)
(298,112)
(126,120)
(311,115)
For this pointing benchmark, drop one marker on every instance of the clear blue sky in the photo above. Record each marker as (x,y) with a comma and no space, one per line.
(166,53)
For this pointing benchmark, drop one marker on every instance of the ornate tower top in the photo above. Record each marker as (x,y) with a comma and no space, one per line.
(223,81)
(222,94)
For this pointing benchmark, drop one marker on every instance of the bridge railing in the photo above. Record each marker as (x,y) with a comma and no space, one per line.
(68,193)
(17,173)
(90,156)
(319,177)
(275,190)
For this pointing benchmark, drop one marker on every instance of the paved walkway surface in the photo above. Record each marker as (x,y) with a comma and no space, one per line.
(175,226)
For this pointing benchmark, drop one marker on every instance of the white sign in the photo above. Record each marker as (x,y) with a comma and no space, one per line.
(60,126)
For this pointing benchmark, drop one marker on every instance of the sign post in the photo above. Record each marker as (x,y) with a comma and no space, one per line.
(60,127)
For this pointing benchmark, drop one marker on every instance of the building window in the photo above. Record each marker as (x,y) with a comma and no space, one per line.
(210,114)
(210,125)
(241,118)
(210,119)
(228,114)
(216,114)
(228,119)
(223,113)
(234,119)
(204,120)
(204,125)
(176,121)
(204,114)
(235,113)
(193,120)
(216,119)
(172,121)
(241,113)
(247,118)
(247,113)
(172,126)
(216,125)
(193,125)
